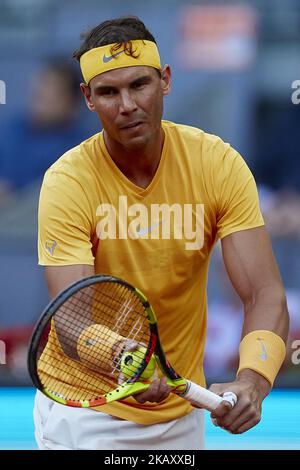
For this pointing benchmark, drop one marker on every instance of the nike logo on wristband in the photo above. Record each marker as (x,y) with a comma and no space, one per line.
(263,356)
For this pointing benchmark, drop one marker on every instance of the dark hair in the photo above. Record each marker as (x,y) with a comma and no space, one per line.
(119,31)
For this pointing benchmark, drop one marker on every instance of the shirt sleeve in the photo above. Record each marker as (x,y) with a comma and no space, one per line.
(236,194)
(64,222)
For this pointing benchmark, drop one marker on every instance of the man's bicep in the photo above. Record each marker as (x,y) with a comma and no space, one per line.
(250,262)
(60,277)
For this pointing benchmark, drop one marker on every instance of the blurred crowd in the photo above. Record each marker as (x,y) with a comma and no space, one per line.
(52,124)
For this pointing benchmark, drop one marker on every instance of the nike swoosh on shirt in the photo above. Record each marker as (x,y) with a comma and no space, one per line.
(263,355)
(148,229)
(111,57)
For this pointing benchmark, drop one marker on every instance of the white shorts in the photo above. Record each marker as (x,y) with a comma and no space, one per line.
(60,427)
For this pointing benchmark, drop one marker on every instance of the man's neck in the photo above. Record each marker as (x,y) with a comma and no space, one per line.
(139,164)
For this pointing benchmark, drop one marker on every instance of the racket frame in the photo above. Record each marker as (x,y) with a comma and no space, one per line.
(132,384)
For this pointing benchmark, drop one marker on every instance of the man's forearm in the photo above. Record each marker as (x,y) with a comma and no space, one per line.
(265,331)
(267,311)
(261,384)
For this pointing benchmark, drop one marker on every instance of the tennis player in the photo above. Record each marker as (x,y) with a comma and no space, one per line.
(146,200)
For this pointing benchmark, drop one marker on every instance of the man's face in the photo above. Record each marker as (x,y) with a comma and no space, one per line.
(129,103)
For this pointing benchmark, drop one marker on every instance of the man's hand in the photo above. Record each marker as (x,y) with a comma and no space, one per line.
(120,347)
(251,388)
(157,392)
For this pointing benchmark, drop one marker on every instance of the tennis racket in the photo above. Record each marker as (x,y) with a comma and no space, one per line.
(97,341)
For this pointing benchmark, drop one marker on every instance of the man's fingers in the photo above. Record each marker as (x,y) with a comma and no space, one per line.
(163,389)
(241,418)
(222,410)
(148,394)
(247,414)
(120,347)
(247,425)
(225,414)
(249,418)
(157,392)
(230,397)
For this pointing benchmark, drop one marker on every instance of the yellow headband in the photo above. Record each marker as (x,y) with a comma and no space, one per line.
(104,58)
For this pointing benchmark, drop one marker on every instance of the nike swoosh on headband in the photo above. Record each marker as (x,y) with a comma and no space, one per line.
(111,57)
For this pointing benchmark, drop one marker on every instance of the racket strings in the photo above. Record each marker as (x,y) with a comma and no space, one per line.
(120,324)
(109,318)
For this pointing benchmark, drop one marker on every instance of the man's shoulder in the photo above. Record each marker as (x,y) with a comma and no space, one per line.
(192,132)
(210,146)
(183,130)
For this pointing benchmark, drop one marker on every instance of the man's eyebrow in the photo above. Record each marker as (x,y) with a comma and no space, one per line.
(100,88)
(143,79)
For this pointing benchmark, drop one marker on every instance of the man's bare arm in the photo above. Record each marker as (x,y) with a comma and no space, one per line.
(59,278)
(254,274)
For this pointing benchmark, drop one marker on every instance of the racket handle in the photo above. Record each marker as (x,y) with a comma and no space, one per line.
(203,398)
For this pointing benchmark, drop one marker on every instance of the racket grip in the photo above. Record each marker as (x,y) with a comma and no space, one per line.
(203,398)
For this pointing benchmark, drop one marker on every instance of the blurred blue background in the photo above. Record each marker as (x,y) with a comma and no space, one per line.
(234,67)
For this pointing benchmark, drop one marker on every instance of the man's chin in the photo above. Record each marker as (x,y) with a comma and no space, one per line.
(137,142)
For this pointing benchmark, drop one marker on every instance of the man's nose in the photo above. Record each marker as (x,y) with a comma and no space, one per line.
(127,102)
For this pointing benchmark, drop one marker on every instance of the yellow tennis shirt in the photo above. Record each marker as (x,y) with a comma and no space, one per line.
(159,239)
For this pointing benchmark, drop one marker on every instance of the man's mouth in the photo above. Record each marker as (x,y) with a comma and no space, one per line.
(132,125)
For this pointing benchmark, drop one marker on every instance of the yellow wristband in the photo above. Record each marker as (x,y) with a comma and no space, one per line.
(264,352)
(95,347)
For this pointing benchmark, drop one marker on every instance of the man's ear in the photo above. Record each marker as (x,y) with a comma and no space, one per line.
(86,91)
(166,80)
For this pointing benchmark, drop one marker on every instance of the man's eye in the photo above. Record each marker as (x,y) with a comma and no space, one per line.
(138,85)
(108,92)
